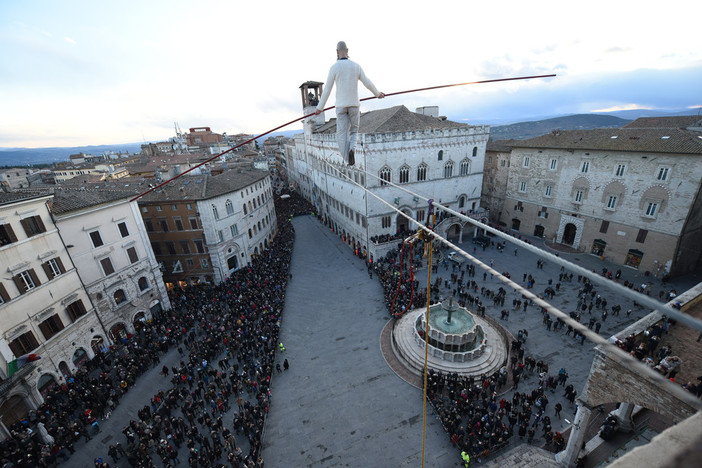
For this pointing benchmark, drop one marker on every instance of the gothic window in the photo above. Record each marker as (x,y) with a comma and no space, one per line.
(385,175)
(422,172)
(404,174)
(465,167)
(448,169)
(230,207)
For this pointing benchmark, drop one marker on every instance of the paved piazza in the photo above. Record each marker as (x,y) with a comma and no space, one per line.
(340,404)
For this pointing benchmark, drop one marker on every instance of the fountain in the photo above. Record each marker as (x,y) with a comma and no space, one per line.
(459,341)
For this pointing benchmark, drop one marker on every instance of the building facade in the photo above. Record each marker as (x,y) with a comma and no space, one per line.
(428,154)
(111,251)
(45,308)
(202,228)
(630,195)
(14,178)
(497,164)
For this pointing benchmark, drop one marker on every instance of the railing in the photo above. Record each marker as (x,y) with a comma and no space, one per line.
(27,369)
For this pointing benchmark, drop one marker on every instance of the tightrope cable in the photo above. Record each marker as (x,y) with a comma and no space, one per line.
(617,354)
(496,80)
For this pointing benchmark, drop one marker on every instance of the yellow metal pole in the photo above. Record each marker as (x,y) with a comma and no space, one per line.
(426,344)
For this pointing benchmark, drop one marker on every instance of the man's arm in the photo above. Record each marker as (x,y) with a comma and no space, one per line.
(327,91)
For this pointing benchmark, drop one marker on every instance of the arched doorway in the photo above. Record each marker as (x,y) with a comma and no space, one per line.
(97,344)
(13,410)
(65,371)
(79,357)
(119,332)
(515,224)
(401,222)
(45,384)
(569,234)
(453,233)
(539,231)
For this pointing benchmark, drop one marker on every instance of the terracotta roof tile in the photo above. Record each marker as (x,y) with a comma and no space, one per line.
(394,119)
(678,121)
(656,140)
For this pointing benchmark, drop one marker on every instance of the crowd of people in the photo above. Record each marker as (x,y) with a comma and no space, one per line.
(477,420)
(213,406)
(213,403)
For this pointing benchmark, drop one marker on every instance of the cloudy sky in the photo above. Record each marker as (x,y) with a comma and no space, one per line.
(78,72)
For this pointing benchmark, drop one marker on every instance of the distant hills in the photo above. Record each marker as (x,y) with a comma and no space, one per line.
(31,156)
(526,130)
(517,131)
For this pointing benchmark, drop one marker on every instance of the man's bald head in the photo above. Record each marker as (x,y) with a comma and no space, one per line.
(341,45)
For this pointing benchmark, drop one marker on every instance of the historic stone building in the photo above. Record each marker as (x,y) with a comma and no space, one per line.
(497,164)
(44,305)
(110,249)
(630,195)
(204,227)
(432,156)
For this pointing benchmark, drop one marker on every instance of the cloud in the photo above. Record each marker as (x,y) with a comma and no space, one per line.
(622,108)
(70,41)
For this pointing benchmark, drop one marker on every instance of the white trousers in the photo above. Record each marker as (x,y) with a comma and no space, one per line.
(347,119)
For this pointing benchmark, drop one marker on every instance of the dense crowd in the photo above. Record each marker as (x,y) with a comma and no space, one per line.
(477,420)
(215,405)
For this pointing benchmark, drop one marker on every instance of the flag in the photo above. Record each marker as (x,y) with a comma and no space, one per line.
(17,364)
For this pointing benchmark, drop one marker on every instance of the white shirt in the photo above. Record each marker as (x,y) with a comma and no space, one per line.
(346,75)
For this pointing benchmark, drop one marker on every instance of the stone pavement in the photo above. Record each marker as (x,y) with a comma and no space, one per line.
(340,404)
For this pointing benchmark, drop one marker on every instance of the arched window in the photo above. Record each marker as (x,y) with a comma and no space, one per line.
(448,169)
(215,212)
(245,212)
(404,174)
(441,155)
(422,173)
(465,167)
(385,175)
(475,151)
(119,296)
(461,201)
(143,283)
(230,207)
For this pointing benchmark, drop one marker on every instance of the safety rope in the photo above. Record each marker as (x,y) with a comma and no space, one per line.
(636,296)
(617,353)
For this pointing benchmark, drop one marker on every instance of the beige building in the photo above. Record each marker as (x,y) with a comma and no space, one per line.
(630,195)
(44,307)
(111,251)
(497,163)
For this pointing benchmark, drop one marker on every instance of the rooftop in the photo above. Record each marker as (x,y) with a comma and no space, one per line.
(202,187)
(394,119)
(7,198)
(656,140)
(678,121)
(68,200)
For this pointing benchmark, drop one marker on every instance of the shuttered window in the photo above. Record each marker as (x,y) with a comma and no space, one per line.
(26,281)
(51,326)
(33,226)
(24,344)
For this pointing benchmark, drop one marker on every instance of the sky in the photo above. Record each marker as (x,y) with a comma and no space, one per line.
(76,72)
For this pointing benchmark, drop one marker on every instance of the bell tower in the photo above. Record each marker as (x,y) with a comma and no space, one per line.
(311,92)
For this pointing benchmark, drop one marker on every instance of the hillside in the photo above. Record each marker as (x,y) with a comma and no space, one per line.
(31,156)
(525,130)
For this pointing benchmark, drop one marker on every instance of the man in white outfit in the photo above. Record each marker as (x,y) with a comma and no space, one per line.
(346,74)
